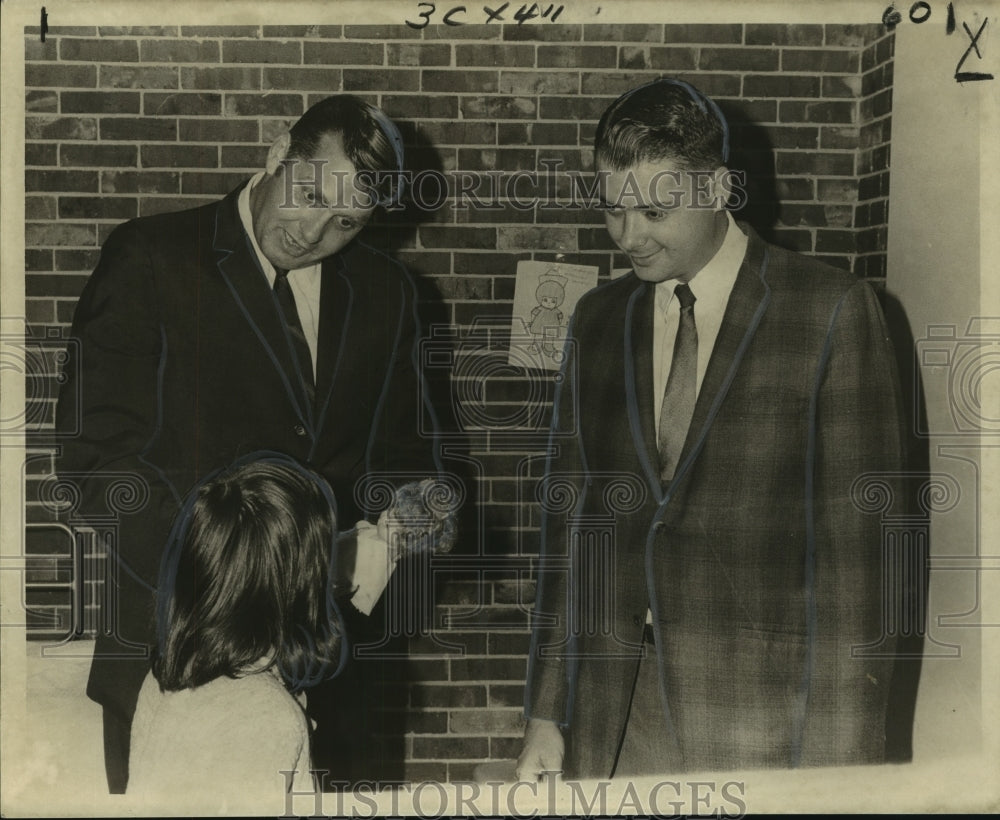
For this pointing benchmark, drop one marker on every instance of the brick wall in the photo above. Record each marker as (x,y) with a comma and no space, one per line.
(127,122)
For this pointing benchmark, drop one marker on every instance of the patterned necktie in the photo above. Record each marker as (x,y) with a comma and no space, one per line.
(682,388)
(286,301)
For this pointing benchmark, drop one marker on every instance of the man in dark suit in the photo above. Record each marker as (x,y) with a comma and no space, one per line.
(259,322)
(710,591)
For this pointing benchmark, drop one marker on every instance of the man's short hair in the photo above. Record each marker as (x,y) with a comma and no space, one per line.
(664,119)
(371,140)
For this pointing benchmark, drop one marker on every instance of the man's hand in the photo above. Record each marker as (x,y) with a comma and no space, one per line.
(543,750)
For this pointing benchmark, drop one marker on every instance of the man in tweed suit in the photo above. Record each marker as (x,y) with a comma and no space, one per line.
(708,584)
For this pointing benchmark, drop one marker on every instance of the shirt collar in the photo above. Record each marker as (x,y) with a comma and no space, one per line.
(719,273)
(246,218)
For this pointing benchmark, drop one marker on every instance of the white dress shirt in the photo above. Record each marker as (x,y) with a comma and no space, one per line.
(305,282)
(711,287)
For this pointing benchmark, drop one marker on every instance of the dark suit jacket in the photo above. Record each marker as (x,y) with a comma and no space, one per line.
(184,365)
(760,567)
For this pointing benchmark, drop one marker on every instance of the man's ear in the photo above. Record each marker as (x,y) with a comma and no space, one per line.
(722,187)
(277,152)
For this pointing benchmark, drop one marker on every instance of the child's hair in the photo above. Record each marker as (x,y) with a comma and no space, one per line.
(249,573)
(550,288)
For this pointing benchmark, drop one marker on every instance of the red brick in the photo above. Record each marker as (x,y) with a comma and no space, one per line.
(486,722)
(220,31)
(819,112)
(241,78)
(784,85)
(40,207)
(320,32)
(539,30)
(244,156)
(835,241)
(266,105)
(48,284)
(505,748)
(46,154)
(506,695)
(179,156)
(458,237)
(464,82)
(343,54)
(152,205)
(41,101)
(396,32)
(326,80)
(60,76)
(450,748)
(99,51)
(102,207)
(841,86)
(825,61)
(623,33)
(490,54)
(418,54)
(146,129)
(60,128)
(852,35)
(213,184)
(137,31)
(487,264)
(179,51)
(670,58)
(613,84)
(99,102)
(41,311)
(500,108)
(420,106)
(142,182)
(37,260)
(390,79)
(219,131)
(183,104)
(703,33)
(35,49)
(531,238)
(270,51)
(752,111)
(794,188)
(633,58)
(783,34)
(106,156)
(738,59)
(459,133)
(575,109)
(576,56)
(60,180)
(543,82)
(45,234)
(714,85)
(815,162)
(119,76)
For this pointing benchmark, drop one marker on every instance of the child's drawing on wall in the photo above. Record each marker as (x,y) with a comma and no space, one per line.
(546,321)
(545,295)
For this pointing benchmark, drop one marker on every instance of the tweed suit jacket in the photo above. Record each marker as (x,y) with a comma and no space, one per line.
(182,364)
(762,572)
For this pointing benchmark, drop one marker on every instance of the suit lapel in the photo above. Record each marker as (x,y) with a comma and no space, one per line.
(638,369)
(246,282)
(336,300)
(746,306)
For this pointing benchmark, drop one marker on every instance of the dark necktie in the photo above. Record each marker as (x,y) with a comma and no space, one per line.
(286,300)
(682,388)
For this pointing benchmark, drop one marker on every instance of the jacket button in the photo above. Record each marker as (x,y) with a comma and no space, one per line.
(300,430)
(637,620)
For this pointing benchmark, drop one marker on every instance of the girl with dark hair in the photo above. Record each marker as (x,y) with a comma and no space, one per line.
(248,617)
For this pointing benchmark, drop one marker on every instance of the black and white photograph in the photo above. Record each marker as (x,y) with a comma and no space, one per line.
(436,409)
